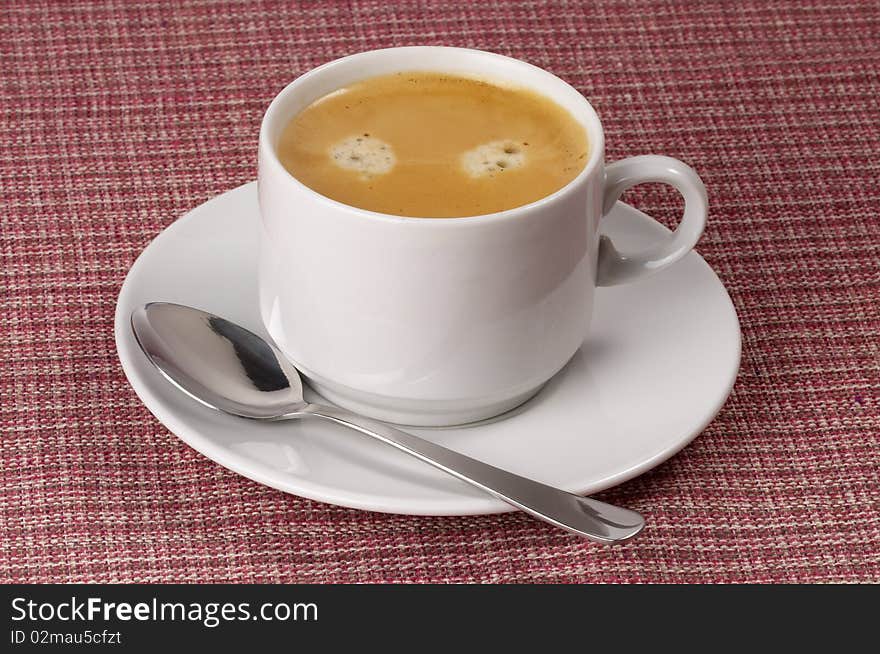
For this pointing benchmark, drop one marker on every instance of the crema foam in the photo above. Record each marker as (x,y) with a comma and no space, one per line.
(434,145)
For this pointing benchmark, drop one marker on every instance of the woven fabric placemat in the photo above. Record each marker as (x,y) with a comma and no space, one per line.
(118,117)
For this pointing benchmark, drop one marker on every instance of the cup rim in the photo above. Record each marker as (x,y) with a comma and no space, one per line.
(596,139)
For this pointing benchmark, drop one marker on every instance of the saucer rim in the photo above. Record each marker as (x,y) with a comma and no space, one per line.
(134,370)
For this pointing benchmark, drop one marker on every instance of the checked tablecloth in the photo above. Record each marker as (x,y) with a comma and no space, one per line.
(118,117)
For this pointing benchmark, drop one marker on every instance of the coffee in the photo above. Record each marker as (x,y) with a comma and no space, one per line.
(434,145)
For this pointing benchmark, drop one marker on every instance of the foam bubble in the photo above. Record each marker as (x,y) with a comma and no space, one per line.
(365,154)
(494,157)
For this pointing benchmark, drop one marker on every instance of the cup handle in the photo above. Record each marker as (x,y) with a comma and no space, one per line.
(616,268)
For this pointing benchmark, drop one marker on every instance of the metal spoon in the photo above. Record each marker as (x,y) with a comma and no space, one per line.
(231,369)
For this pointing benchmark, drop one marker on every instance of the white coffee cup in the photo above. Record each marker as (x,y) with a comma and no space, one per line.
(426,321)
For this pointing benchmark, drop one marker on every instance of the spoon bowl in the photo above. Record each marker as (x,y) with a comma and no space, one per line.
(217,362)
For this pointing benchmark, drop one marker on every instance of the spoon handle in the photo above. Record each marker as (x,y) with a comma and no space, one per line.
(586,517)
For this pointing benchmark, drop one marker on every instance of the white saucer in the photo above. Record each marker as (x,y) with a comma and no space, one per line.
(660,360)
